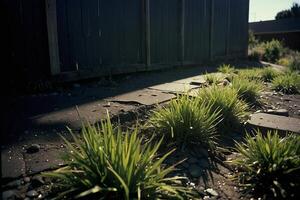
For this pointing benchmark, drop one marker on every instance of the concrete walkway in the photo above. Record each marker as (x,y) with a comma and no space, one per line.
(37,120)
(31,143)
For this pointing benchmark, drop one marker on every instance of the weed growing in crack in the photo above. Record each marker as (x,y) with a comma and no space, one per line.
(110,164)
(269,164)
(187,121)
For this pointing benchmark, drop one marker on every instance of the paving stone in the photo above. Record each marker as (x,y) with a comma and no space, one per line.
(144,97)
(12,163)
(282,112)
(195,80)
(268,121)
(48,158)
(174,87)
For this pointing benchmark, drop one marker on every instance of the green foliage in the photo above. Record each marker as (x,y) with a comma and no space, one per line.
(226,69)
(249,91)
(109,164)
(273,50)
(212,78)
(233,110)
(294,64)
(288,83)
(187,121)
(252,41)
(293,12)
(250,74)
(267,74)
(270,163)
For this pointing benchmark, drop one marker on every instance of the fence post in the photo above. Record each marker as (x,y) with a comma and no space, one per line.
(182,37)
(147,33)
(228,28)
(211,30)
(52,36)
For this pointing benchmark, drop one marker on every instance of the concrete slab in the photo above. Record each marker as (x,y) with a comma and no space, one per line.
(195,80)
(48,157)
(12,163)
(275,122)
(92,111)
(144,97)
(174,87)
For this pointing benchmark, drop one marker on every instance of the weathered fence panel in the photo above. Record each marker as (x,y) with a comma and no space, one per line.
(164,31)
(118,36)
(197,30)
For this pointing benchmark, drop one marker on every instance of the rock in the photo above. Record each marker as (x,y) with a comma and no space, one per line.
(15,183)
(34,148)
(32,193)
(212,192)
(9,194)
(37,181)
(26,179)
(195,170)
(281,112)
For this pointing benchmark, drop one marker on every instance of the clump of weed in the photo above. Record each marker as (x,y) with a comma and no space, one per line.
(233,110)
(269,164)
(188,121)
(249,91)
(288,83)
(267,74)
(212,78)
(107,164)
(226,69)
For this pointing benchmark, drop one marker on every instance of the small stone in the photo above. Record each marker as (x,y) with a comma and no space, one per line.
(37,181)
(9,194)
(212,192)
(32,193)
(281,112)
(15,183)
(26,179)
(195,170)
(34,148)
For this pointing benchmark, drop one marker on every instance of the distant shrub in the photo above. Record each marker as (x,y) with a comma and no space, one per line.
(252,41)
(273,51)
(288,83)
(107,164)
(294,64)
(270,164)
(233,110)
(187,121)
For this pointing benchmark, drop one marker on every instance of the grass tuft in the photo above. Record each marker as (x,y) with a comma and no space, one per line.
(226,69)
(267,74)
(270,164)
(288,83)
(212,78)
(187,121)
(233,110)
(249,91)
(111,165)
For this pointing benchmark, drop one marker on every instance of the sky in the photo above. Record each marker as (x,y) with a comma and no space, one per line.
(261,10)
